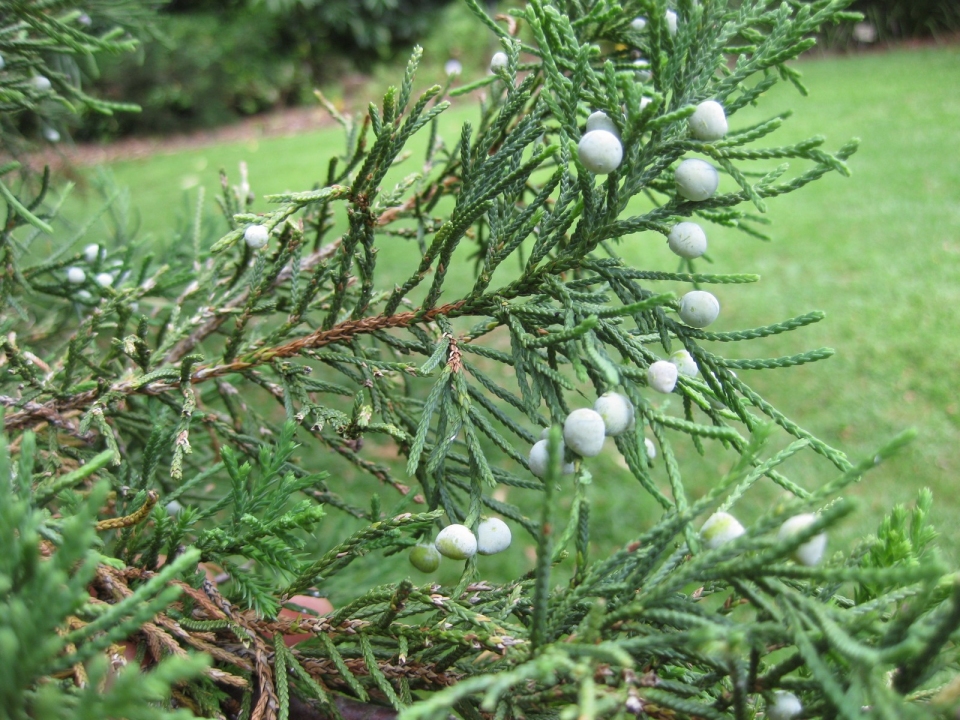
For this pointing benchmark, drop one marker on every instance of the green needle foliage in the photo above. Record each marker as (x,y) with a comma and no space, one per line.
(199,388)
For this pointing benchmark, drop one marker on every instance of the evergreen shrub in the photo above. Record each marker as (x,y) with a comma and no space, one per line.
(177,427)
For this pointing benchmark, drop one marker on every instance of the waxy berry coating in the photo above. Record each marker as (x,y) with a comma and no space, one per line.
(688,240)
(601,121)
(616,411)
(709,121)
(698,308)
(785,706)
(811,552)
(671,18)
(685,363)
(499,61)
(696,179)
(256,236)
(584,431)
(719,529)
(493,536)
(456,542)
(600,152)
(539,459)
(662,376)
(650,448)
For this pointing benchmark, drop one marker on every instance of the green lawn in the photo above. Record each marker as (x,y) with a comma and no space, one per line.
(879,252)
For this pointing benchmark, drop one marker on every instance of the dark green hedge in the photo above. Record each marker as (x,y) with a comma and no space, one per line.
(213,62)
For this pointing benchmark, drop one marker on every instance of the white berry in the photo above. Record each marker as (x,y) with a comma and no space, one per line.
(493,536)
(688,240)
(425,558)
(601,121)
(616,411)
(650,448)
(456,542)
(453,67)
(499,61)
(600,152)
(785,706)
(104,279)
(709,121)
(638,24)
(91,252)
(76,275)
(671,18)
(685,363)
(173,508)
(698,308)
(720,528)
(811,552)
(583,432)
(696,179)
(256,236)
(2,62)
(643,71)
(644,101)
(84,296)
(41,83)
(51,134)
(539,459)
(662,376)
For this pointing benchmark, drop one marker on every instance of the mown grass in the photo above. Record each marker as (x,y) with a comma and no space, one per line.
(879,252)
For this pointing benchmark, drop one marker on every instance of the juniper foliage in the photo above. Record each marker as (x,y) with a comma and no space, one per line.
(182,395)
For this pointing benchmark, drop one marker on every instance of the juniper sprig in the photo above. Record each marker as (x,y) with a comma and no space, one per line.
(208,399)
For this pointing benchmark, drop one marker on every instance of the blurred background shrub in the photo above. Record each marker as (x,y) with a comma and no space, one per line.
(211,62)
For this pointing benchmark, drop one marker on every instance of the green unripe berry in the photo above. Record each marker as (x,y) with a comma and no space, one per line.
(425,557)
